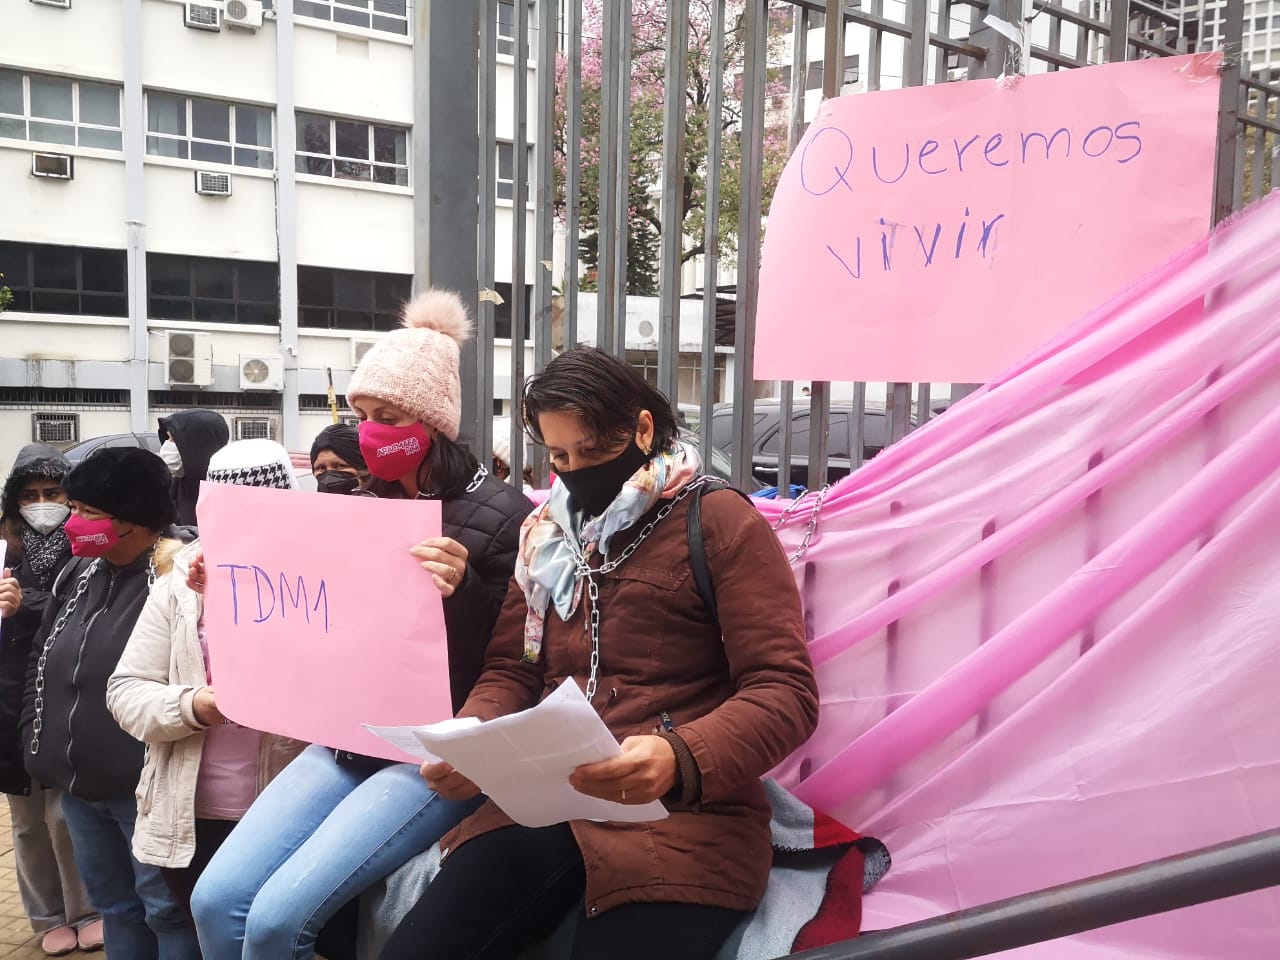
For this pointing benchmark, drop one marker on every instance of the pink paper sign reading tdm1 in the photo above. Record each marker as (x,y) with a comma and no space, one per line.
(941,233)
(318,618)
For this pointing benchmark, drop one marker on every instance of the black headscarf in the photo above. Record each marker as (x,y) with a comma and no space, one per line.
(344,440)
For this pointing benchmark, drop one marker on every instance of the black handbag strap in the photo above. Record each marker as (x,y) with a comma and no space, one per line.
(698,544)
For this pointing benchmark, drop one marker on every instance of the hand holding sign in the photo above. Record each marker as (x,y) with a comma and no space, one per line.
(310,639)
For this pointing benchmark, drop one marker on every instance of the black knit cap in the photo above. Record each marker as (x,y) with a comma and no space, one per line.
(127,483)
(344,440)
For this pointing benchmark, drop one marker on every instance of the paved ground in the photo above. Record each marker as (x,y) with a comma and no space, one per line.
(16,939)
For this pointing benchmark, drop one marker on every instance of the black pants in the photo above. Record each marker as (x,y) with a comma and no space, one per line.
(210,835)
(507,890)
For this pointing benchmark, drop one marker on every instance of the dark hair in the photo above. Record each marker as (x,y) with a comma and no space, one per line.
(446,472)
(605,393)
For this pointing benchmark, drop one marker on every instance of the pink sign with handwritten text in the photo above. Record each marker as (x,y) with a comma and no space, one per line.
(941,233)
(318,618)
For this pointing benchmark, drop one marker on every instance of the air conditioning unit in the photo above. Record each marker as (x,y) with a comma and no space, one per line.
(358,349)
(244,14)
(254,428)
(189,359)
(53,166)
(261,371)
(212,184)
(202,16)
(64,4)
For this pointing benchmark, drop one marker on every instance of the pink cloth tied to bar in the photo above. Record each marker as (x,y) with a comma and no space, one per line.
(1047,625)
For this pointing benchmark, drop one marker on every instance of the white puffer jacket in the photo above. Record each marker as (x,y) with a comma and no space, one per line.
(150,694)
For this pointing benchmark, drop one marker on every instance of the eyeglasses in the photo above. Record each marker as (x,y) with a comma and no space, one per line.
(42,495)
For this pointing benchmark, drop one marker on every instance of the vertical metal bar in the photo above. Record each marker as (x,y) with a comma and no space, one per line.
(917,52)
(923,402)
(711,229)
(1118,34)
(675,82)
(544,222)
(820,391)
(519,226)
(607,211)
(875,54)
(755,23)
(859,441)
(135,200)
(1229,113)
(486,122)
(799,84)
(287,221)
(623,185)
(573,169)
(446,163)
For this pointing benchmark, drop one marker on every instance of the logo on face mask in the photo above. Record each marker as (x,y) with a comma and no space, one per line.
(101,539)
(410,446)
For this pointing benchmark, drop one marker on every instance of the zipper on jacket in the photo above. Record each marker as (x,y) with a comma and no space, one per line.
(75,676)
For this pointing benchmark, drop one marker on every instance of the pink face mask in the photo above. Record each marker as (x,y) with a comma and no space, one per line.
(90,538)
(393,452)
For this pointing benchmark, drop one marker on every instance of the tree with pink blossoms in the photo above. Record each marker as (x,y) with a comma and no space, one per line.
(647,101)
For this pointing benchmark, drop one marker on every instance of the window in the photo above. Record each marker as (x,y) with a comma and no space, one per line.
(813,78)
(80,281)
(55,427)
(506,33)
(255,428)
(390,16)
(506,171)
(211,290)
(208,131)
(502,312)
(350,299)
(58,110)
(351,150)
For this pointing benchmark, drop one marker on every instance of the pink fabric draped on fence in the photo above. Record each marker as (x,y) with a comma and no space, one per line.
(1047,625)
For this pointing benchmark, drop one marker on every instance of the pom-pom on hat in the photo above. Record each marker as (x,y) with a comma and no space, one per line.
(416,368)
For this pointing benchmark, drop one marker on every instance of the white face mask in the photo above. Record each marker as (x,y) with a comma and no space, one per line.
(45,518)
(172,458)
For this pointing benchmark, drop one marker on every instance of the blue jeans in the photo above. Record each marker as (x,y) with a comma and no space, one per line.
(140,918)
(317,837)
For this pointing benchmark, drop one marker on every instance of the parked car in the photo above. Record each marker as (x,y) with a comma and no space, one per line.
(767,438)
(145,441)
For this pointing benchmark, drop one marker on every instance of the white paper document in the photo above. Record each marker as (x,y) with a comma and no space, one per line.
(523,761)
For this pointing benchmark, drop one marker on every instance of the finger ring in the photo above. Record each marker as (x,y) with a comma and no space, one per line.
(624,795)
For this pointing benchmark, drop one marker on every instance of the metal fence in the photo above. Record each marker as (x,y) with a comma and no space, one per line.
(754,48)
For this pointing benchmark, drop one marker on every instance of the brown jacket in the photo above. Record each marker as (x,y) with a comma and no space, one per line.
(741,703)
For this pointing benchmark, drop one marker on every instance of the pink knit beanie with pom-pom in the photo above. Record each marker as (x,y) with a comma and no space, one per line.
(416,368)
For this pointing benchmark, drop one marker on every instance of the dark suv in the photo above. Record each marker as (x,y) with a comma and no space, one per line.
(767,443)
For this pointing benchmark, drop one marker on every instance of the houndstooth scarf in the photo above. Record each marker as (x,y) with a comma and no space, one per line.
(274,475)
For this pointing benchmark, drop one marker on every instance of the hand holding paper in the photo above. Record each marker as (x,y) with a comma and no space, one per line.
(524,761)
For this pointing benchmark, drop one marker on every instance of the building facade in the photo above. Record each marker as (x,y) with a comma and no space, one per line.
(207,203)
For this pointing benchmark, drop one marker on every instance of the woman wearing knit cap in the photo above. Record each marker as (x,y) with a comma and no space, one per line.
(336,460)
(120,511)
(333,823)
(33,510)
(202,771)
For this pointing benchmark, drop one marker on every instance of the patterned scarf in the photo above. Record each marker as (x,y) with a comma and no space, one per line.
(42,553)
(274,475)
(546,565)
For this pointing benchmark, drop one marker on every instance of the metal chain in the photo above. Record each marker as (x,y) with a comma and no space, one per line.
(478,479)
(584,569)
(819,499)
(38,723)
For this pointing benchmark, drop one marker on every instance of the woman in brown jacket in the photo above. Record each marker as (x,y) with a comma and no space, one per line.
(702,709)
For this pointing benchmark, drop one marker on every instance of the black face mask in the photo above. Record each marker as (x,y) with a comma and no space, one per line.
(335,481)
(592,489)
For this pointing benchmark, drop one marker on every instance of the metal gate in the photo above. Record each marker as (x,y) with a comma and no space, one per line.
(757,67)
